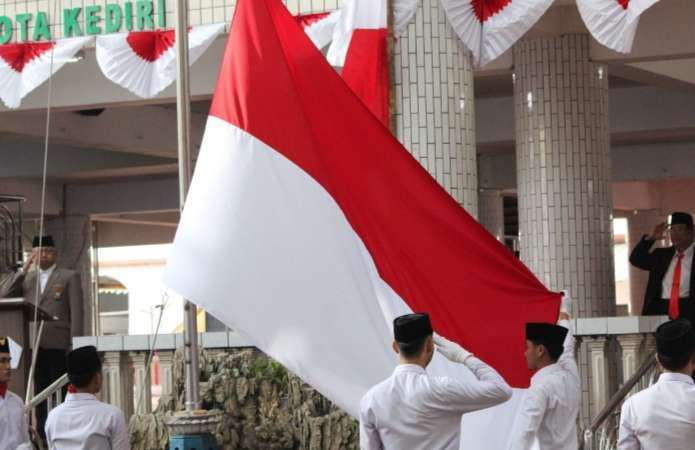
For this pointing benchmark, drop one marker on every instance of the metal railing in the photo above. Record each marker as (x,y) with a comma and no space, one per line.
(52,395)
(602,434)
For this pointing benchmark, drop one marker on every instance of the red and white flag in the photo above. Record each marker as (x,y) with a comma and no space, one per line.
(309,227)
(144,62)
(613,22)
(489,27)
(25,66)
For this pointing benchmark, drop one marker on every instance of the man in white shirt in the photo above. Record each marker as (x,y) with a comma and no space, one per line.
(58,291)
(82,422)
(662,417)
(414,411)
(14,430)
(551,405)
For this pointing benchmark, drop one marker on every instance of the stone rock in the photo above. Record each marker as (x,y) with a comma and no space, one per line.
(265,407)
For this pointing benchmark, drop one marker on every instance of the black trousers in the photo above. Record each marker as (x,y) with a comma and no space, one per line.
(50,365)
(659,307)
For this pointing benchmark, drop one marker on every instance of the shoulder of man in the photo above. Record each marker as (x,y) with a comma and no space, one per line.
(16,398)
(66,273)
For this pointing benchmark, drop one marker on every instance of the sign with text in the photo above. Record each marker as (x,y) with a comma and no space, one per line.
(88,20)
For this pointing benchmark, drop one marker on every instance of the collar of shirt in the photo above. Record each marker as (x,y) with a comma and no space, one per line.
(80,397)
(409,368)
(47,272)
(687,253)
(544,372)
(675,376)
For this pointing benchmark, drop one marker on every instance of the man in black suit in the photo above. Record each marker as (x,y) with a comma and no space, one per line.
(671,285)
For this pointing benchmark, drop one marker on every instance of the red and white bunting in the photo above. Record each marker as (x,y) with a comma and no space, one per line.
(319,27)
(613,22)
(489,27)
(25,66)
(144,62)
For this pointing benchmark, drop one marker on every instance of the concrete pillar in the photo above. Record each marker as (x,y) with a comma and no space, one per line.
(142,382)
(563,169)
(639,223)
(434,102)
(600,373)
(117,389)
(632,346)
(491,212)
(166,371)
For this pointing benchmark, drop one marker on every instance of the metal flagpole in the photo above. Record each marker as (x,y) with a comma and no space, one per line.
(183,112)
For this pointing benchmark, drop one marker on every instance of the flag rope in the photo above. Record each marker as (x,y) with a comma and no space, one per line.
(35,334)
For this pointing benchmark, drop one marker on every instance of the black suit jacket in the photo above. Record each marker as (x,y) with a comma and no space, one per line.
(656,262)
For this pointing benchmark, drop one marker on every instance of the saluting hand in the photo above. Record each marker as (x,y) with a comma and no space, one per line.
(30,261)
(659,232)
(450,350)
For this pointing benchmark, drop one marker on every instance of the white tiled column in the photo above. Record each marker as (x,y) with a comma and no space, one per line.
(639,223)
(563,169)
(491,211)
(434,103)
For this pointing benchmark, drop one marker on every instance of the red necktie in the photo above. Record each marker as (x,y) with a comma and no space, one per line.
(3,390)
(673,308)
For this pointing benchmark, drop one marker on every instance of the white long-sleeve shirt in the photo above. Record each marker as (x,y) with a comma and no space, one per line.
(82,422)
(550,408)
(686,268)
(13,424)
(412,410)
(661,416)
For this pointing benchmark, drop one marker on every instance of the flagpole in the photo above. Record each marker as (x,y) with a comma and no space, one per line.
(183,110)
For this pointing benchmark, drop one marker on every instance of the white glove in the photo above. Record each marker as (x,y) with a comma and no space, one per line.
(451,350)
(566,303)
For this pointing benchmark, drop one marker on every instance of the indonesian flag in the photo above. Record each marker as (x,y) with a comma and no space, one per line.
(613,22)
(309,227)
(25,66)
(144,62)
(489,27)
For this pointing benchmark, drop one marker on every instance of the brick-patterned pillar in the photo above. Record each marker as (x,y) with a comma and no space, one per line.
(639,223)
(73,236)
(563,169)
(491,212)
(434,103)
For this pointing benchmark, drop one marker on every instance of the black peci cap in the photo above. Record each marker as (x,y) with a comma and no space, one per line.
(411,327)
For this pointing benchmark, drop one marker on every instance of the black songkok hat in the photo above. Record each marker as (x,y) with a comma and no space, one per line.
(546,333)
(682,217)
(675,338)
(46,241)
(411,327)
(4,344)
(83,361)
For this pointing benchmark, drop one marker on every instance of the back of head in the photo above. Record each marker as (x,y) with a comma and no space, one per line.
(675,344)
(83,364)
(550,336)
(410,332)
